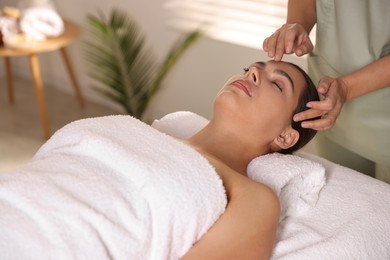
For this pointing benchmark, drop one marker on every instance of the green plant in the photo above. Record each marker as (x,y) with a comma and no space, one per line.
(118,59)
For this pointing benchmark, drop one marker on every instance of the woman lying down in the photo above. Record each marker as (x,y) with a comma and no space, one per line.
(116,188)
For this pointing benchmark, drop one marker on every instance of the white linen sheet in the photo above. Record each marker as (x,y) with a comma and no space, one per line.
(349,221)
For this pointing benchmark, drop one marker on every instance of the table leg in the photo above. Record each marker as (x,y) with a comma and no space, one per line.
(34,62)
(7,64)
(72,76)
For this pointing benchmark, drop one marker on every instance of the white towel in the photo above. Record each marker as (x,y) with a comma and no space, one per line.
(8,26)
(295,180)
(349,221)
(181,124)
(38,23)
(108,188)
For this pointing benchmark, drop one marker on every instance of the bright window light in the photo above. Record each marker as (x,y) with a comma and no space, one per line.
(242,22)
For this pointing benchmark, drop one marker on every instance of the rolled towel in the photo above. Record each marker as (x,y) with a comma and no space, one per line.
(39,23)
(295,180)
(181,124)
(8,26)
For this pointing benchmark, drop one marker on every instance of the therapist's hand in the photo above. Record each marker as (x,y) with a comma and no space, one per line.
(335,93)
(290,38)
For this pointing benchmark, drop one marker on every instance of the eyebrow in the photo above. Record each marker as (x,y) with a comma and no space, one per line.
(278,71)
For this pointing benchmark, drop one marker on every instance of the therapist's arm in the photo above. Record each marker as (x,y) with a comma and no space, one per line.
(302,12)
(372,77)
(337,91)
(293,37)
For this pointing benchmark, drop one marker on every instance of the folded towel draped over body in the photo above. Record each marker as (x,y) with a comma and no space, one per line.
(110,187)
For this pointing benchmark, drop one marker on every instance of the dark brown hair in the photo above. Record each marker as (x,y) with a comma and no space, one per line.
(308,94)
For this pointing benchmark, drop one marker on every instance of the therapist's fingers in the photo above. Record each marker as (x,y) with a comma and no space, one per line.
(322,124)
(325,112)
(290,37)
(335,93)
(324,85)
(297,40)
(327,109)
(274,45)
(317,109)
(317,120)
(269,44)
(307,115)
(304,45)
(326,122)
(281,42)
(280,49)
(325,105)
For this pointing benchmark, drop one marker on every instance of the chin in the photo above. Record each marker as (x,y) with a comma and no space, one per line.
(228,101)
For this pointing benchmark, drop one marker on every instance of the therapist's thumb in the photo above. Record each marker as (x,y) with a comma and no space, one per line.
(324,85)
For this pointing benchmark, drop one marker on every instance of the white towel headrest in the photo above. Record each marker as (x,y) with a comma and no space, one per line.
(295,180)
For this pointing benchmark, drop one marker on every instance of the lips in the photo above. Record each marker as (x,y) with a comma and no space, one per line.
(243,85)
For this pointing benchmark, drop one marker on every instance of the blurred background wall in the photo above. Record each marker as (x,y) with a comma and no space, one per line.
(191,85)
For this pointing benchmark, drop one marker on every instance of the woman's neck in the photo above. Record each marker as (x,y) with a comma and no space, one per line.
(229,148)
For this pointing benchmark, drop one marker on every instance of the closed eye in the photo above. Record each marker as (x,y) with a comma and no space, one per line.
(278,86)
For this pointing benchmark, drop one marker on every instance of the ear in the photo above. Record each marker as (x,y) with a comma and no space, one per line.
(287,138)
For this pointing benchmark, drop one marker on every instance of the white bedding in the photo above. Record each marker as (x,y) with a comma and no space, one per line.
(351,220)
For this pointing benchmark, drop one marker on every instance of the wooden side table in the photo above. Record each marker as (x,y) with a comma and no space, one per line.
(71,32)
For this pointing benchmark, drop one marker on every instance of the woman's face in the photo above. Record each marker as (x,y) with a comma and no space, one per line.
(262,99)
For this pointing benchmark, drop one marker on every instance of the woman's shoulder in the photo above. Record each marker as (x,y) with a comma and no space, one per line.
(237,184)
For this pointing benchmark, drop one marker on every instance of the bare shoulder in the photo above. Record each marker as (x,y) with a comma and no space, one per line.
(248,224)
(263,190)
(255,210)
(260,194)
(262,198)
(241,186)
